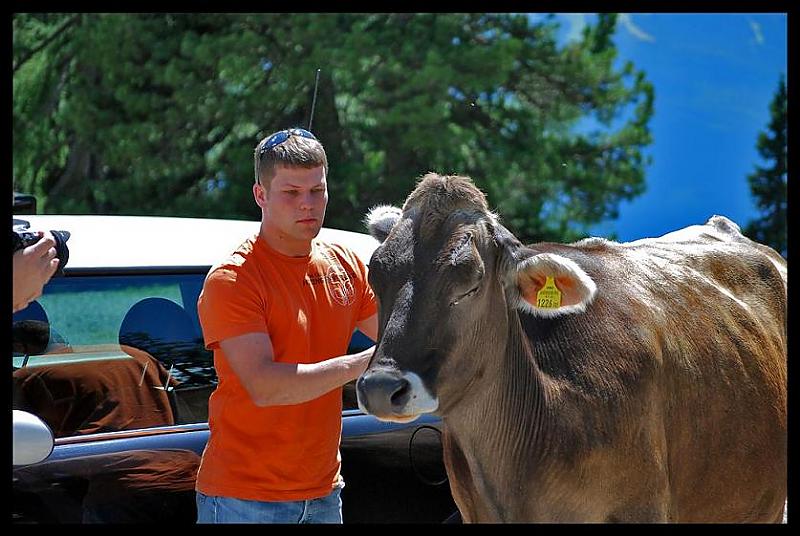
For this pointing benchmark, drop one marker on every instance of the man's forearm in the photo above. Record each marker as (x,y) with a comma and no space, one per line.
(292,383)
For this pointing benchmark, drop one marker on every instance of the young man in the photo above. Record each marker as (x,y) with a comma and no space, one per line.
(278,314)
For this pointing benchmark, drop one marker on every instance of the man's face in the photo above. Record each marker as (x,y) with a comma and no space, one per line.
(293,205)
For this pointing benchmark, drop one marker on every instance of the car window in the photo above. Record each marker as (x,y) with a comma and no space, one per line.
(107,353)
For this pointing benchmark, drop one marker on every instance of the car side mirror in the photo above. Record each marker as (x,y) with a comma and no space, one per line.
(33,439)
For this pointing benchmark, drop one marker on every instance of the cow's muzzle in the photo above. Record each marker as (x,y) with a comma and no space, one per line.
(391,395)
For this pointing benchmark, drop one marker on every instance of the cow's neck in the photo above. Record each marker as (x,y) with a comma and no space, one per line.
(494,432)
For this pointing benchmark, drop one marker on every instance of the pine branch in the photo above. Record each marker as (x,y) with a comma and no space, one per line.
(58,31)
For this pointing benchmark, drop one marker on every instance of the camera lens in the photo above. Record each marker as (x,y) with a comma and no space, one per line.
(62,252)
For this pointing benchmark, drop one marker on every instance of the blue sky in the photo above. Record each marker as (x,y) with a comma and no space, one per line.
(714,77)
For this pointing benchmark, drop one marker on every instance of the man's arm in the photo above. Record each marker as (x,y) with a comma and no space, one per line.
(369,327)
(274,384)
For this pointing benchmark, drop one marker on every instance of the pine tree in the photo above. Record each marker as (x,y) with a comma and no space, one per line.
(768,184)
(158,113)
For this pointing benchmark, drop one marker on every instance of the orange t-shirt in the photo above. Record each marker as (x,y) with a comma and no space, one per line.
(309,306)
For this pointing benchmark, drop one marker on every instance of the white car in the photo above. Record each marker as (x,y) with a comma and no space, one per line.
(111,383)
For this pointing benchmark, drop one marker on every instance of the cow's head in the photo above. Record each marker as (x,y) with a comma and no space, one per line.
(448,277)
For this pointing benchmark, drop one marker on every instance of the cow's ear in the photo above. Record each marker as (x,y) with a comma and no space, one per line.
(551,285)
(380,219)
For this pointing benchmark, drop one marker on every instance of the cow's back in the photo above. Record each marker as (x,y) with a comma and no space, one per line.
(682,353)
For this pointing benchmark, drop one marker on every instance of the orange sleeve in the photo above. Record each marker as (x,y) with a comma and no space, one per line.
(368,305)
(230,305)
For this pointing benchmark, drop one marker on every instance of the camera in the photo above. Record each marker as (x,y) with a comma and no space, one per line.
(21,238)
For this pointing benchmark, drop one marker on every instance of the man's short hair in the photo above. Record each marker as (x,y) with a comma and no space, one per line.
(295,151)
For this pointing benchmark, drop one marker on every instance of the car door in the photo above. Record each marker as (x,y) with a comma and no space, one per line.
(114,364)
(113,361)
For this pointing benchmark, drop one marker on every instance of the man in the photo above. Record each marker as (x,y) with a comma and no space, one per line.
(33,266)
(278,314)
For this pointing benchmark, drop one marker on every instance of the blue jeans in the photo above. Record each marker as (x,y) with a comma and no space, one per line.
(326,509)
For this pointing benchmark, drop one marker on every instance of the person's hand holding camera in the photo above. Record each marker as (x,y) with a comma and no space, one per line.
(34,265)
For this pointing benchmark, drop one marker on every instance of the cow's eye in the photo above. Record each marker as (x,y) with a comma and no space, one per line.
(463,296)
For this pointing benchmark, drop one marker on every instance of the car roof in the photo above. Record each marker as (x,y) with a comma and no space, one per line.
(98,241)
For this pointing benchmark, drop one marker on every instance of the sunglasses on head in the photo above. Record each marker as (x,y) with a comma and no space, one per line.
(283,135)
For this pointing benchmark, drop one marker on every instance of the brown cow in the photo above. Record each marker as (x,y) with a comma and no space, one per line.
(589,382)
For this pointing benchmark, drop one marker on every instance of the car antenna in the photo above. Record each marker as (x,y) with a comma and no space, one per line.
(313,101)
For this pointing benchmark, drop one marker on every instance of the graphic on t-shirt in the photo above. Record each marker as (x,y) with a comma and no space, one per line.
(339,284)
(341,288)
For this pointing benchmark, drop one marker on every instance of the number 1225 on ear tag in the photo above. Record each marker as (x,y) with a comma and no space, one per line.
(549,297)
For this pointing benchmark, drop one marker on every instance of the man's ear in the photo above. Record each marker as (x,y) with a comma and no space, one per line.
(380,219)
(259,194)
(550,285)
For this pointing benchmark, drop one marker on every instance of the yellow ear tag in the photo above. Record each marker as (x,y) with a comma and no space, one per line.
(549,297)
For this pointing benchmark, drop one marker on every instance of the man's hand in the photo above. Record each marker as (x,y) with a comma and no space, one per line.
(363,359)
(33,267)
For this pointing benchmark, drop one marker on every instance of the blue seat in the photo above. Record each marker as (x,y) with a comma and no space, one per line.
(33,334)
(160,327)
(34,311)
(359,342)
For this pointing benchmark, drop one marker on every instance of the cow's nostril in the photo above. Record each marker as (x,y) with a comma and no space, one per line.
(401,394)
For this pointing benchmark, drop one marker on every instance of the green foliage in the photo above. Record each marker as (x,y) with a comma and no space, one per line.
(768,184)
(159,113)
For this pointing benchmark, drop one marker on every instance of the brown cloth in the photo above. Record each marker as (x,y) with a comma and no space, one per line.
(91,396)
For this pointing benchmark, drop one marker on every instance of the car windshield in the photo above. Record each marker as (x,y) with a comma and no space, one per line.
(93,344)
